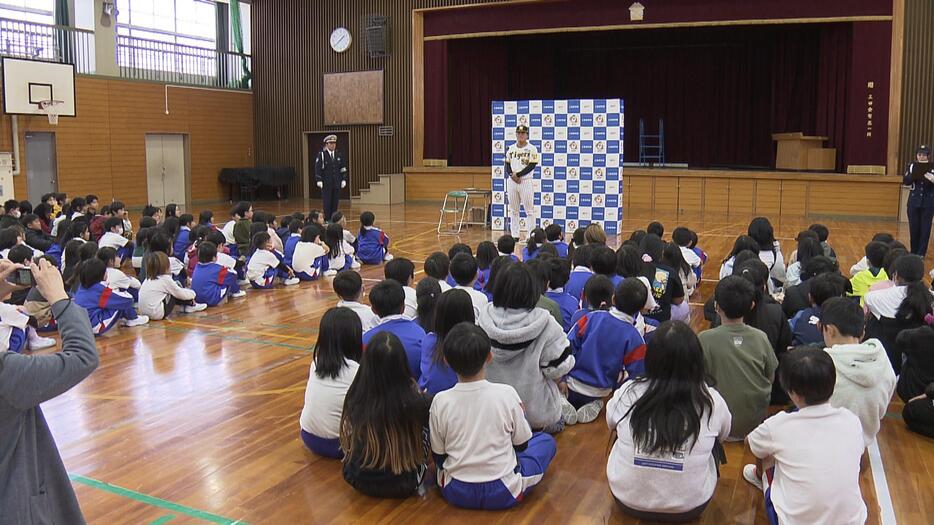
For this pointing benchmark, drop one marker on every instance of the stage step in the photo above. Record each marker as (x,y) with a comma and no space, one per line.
(389,189)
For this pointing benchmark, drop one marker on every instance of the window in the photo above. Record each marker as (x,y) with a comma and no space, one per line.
(37,11)
(168,35)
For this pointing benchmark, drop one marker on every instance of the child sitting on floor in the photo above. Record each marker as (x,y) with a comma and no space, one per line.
(558,274)
(452,308)
(388,301)
(438,266)
(808,462)
(464,272)
(340,252)
(290,239)
(105,306)
(506,245)
(486,453)
(536,239)
(212,281)
(159,293)
(605,344)
(864,279)
(265,265)
(115,277)
(580,272)
(372,243)
(349,287)
(555,236)
(402,271)
(309,255)
(334,366)
(486,252)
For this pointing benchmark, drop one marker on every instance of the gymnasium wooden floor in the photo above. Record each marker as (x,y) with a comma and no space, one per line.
(195,419)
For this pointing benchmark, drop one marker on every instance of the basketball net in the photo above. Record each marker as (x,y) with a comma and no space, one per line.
(51,108)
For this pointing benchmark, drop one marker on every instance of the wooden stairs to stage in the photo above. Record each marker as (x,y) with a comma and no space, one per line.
(389,189)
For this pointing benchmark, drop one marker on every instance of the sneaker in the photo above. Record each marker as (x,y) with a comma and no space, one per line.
(590,411)
(330,273)
(388,257)
(568,412)
(355,265)
(554,428)
(37,342)
(197,307)
(140,320)
(243,282)
(751,476)
(291,281)
(241,293)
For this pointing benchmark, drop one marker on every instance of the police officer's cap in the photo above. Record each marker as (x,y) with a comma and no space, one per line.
(522,128)
(924,149)
(330,138)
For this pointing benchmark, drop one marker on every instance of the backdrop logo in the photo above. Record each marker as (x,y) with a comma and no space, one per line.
(547,146)
(598,200)
(572,147)
(598,173)
(572,199)
(498,146)
(498,171)
(573,119)
(600,120)
(523,120)
(572,172)
(498,120)
(549,120)
(546,198)
(546,172)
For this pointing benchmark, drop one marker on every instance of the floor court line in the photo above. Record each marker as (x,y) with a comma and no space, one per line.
(221,335)
(883,496)
(154,501)
(163,519)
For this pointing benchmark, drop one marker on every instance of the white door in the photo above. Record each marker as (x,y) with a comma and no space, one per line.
(166,169)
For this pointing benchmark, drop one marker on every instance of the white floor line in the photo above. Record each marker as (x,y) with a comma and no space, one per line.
(882,486)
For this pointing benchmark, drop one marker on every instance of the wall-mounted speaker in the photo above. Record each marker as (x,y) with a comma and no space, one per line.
(377,36)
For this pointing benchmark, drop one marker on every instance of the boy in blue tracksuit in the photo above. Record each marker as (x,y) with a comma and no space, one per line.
(290,241)
(557,279)
(106,307)
(604,343)
(213,282)
(388,302)
(183,240)
(506,245)
(555,236)
(372,243)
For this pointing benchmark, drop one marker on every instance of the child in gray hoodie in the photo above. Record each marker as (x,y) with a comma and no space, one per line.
(865,379)
(530,349)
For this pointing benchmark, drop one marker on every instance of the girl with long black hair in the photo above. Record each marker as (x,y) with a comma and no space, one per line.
(384,423)
(334,366)
(669,424)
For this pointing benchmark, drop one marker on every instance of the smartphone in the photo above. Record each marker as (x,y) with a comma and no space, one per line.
(22,277)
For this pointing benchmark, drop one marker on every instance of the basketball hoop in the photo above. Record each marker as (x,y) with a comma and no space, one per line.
(51,108)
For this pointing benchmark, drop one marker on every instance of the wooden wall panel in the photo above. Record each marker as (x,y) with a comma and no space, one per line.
(353,98)
(851,198)
(710,193)
(742,196)
(717,195)
(290,55)
(690,195)
(917,111)
(665,197)
(768,197)
(641,192)
(103,149)
(794,198)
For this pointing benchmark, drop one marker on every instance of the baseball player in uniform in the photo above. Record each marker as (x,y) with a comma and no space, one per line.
(521,159)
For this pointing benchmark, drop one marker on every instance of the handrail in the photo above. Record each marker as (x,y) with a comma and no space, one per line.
(50,26)
(146,59)
(55,43)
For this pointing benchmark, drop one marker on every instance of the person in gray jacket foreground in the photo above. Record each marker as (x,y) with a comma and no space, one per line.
(34,486)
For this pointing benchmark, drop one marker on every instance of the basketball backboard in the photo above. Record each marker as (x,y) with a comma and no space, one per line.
(26,83)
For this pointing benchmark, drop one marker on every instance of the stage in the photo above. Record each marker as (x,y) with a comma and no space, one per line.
(709,191)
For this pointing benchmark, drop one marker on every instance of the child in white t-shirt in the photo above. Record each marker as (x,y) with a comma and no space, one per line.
(333,369)
(113,238)
(487,456)
(309,259)
(115,278)
(349,287)
(809,460)
(265,265)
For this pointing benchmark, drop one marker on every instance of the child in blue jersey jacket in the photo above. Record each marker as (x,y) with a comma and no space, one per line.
(265,265)
(453,307)
(559,271)
(213,282)
(455,249)
(105,306)
(486,252)
(580,271)
(536,240)
(372,243)
(309,255)
(290,240)
(605,344)
(555,236)
(183,240)
(598,295)
(388,302)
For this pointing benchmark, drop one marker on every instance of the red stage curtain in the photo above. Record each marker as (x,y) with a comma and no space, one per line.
(721,91)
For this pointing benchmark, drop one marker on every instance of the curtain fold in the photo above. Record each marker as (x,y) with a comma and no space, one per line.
(237,33)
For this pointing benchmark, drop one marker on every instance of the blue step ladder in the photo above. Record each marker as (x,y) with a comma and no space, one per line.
(652,147)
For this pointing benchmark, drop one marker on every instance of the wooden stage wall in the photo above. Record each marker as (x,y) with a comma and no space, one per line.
(769,193)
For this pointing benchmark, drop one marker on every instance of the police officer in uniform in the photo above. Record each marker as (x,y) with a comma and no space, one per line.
(920,201)
(330,175)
